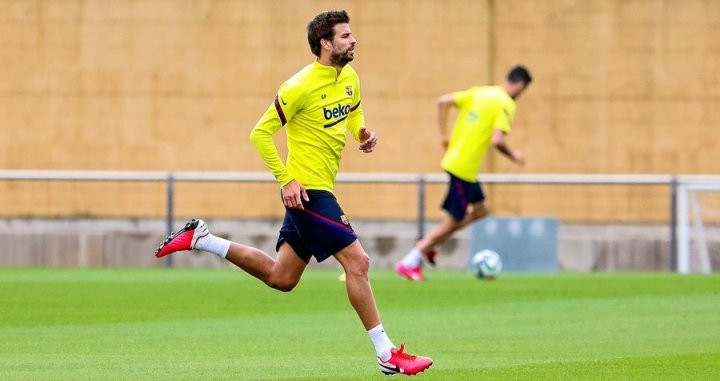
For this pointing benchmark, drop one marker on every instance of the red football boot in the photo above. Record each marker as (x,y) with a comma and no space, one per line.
(403,363)
(410,273)
(430,256)
(183,239)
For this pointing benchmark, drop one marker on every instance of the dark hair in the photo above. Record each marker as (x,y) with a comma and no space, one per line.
(519,74)
(321,27)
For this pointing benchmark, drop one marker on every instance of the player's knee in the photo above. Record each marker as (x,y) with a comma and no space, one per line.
(282,284)
(455,224)
(480,212)
(359,266)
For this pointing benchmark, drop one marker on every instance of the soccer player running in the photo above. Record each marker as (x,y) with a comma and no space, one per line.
(318,106)
(484,117)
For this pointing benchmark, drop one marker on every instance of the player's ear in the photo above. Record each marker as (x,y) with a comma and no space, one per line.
(326,44)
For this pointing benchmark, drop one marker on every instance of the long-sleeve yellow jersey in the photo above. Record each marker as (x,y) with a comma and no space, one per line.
(318,107)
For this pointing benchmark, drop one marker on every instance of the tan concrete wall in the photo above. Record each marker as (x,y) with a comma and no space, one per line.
(131,243)
(621,87)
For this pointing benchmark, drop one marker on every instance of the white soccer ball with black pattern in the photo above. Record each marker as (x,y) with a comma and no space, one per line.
(486,264)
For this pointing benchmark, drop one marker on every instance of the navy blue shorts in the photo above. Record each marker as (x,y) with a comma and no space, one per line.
(461,194)
(321,230)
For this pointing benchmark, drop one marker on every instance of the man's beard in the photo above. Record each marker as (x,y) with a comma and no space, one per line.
(340,58)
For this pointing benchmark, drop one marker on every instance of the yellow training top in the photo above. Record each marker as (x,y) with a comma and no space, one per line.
(482,109)
(318,106)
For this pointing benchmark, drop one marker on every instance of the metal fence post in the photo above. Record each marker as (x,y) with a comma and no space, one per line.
(421,206)
(170,210)
(673,224)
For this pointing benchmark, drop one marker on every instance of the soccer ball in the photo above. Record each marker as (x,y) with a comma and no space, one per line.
(486,264)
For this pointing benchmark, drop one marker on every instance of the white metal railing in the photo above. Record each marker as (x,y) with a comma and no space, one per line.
(496,178)
(674,182)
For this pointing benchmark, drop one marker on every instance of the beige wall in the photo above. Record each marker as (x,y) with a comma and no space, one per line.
(621,87)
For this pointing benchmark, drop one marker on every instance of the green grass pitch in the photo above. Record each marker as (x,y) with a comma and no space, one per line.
(199,324)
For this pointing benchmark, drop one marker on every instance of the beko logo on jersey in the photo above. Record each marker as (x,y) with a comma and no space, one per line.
(338,111)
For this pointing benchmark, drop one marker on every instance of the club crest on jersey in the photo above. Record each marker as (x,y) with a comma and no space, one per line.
(348,90)
(345,220)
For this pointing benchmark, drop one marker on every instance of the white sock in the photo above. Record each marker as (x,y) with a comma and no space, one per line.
(413,259)
(382,343)
(212,244)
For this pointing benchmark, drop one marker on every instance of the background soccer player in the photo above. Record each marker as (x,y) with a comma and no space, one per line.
(484,117)
(318,106)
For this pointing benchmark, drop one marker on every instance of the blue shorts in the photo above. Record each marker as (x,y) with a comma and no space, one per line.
(321,230)
(461,194)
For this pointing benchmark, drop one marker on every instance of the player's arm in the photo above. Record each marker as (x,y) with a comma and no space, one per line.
(499,141)
(356,123)
(280,111)
(445,103)
(501,128)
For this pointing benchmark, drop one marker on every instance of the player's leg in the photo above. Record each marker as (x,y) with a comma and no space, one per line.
(449,225)
(438,235)
(356,264)
(464,203)
(456,206)
(391,360)
(282,273)
(410,266)
(475,212)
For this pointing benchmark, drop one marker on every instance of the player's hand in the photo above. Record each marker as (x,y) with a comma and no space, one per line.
(519,158)
(368,139)
(292,195)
